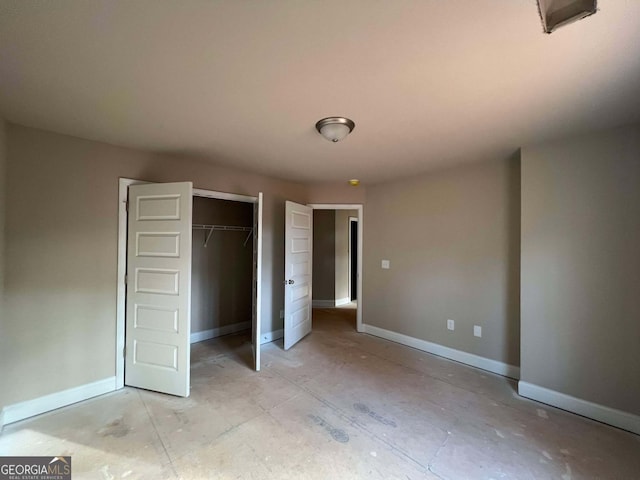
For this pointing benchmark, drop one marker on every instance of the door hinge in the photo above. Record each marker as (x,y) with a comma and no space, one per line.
(124,352)
(126,205)
(126,279)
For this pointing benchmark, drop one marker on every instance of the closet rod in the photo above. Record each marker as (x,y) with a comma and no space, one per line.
(228,228)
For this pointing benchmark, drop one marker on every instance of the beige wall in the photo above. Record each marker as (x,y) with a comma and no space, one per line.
(3,336)
(221,272)
(342,253)
(61,241)
(324,254)
(452,238)
(336,193)
(580,267)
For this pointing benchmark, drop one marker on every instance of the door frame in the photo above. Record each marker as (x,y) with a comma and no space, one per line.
(359,207)
(123,191)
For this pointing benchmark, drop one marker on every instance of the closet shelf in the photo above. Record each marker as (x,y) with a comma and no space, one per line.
(224,228)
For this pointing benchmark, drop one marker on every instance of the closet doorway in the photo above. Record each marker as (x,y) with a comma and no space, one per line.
(221,268)
(189,264)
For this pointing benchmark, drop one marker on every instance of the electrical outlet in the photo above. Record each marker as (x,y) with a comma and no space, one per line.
(386,264)
(451,325)
(477,331)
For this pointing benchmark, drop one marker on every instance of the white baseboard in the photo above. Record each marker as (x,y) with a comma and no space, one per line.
(330,303)
(477,361)
(218,332)
(271,336)
(323,303)
(29,408)
(601,413)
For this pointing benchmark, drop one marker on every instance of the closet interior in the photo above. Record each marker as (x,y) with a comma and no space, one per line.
(222,268)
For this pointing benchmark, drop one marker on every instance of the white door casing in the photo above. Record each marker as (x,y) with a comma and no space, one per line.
(158,305)
(298,270)
(257,281)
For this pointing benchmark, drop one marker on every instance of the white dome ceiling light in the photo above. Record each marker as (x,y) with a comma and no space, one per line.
(335,129)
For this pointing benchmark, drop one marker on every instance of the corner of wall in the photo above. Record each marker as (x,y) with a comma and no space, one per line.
(601,413)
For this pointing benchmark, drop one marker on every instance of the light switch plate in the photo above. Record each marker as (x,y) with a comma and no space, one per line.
(451,325)
(477,331)
(386,264)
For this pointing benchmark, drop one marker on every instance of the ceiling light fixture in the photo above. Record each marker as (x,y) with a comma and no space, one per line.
(335,129)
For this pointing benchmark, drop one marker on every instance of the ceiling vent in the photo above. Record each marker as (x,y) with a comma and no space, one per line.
(557,13)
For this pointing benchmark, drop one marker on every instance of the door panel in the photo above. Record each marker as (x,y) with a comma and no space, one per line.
(298,270)
(159,287)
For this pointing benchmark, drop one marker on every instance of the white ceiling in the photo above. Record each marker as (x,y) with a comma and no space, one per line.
(242,82)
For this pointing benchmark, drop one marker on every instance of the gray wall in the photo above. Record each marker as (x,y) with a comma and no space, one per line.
(221,272)
(61,239)
(324,254)
(452,238)
(3,336)
(3,169)
(581,267)
(342,253)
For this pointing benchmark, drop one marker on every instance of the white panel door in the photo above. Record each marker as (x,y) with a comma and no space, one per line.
(297,264)
(159,287)
(257,281)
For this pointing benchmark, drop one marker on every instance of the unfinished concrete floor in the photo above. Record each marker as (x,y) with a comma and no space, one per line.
(339,405)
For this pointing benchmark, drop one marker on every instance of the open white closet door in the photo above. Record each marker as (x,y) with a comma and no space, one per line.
(158,314)
(257,281)
(297,276)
